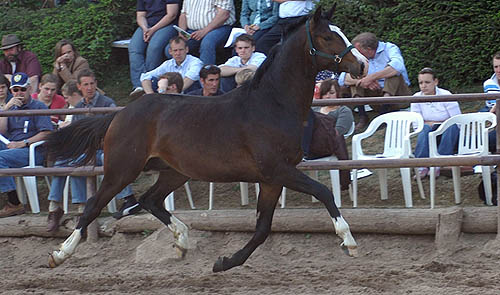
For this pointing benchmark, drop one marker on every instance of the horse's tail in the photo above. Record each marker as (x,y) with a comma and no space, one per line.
(83,137)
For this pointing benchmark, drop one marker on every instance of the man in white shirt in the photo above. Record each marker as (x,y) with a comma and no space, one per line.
(181,62)
(289,11)
(247,58)
(387,75)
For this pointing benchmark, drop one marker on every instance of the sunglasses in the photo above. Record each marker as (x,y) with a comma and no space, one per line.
(17,89)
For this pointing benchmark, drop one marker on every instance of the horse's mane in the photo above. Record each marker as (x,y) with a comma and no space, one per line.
(263,68)
(292,27)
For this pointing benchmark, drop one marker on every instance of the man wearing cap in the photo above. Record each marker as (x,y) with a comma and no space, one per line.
(23,131)
(19,60)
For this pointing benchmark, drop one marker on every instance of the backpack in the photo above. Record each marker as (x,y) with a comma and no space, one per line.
(480,189)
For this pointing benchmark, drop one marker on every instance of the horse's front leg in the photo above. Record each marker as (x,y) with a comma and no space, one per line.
(298,181)
(268,197)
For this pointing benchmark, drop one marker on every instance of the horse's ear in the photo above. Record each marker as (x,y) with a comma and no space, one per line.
(317,14)
(329,13)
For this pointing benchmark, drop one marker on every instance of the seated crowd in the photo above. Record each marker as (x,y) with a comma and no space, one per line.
(163,60)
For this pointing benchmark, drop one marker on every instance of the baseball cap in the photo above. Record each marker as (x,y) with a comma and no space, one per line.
(19,80)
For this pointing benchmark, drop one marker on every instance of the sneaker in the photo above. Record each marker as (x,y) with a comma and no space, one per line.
(422,172)
(54,219)
(136,93)
(11,210)
(129,207)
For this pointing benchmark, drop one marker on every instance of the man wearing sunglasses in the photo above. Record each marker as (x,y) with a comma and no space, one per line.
(23,131)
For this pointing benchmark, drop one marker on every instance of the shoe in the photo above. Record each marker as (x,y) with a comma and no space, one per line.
(422,172)
(128,208)
(136,93)
(363,122)
(11,210)
(54,219)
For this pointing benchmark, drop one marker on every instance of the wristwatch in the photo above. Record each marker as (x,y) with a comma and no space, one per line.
(26,142)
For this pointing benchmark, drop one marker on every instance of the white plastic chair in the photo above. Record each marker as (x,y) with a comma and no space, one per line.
(397,145)
(169,200)
(111,205)
(243,192)
(473,141)
(29,182)
(334,177)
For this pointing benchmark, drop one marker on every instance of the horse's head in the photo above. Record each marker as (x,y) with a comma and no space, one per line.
(329,47)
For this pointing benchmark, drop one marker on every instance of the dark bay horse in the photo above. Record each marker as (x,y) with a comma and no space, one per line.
(251,134)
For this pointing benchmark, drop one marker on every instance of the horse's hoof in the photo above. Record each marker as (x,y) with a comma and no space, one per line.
(351,251)
(181,252)
(219,265)
(52,261)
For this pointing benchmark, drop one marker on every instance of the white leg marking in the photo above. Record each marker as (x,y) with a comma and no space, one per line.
(180,231)
(342,230)
(66,250)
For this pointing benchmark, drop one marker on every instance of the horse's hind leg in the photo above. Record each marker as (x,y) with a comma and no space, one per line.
(153,201)
(298,181)
(268,197)
(113,182)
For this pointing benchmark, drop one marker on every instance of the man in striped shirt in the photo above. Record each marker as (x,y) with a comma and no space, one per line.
(493,84)
(209,23)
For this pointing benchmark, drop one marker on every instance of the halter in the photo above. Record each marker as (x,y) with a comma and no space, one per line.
(337,59)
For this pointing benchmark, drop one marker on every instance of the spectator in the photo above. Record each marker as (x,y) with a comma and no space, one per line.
(244,76)
(330,89)
(434,113)
(72,96)
(5,94)
(68,62)
(387,75)
(209,79)
(19,60)
(289,11)
(23,131)
(247,58)
(493,83)
(181,62)
(170,82)
(145,51)
(87,85)
(48,95)
(209,23)
(258,16)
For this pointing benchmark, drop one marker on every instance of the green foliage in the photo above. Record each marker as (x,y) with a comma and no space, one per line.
(92,27)
(456,38)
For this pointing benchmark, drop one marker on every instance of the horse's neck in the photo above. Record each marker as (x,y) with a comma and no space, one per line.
(291,77)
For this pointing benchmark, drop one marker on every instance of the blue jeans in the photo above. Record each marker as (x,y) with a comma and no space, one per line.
(144,57)
(78,185)
(208,45)
(15,158)
(446,145)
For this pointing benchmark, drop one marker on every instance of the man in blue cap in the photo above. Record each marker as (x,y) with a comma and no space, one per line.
(23,131)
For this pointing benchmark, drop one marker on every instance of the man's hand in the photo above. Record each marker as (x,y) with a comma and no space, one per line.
(16,145)
(368,83)
(198,35)
(14,101)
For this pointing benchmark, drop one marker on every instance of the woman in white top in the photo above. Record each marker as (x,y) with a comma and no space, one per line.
(434,113)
